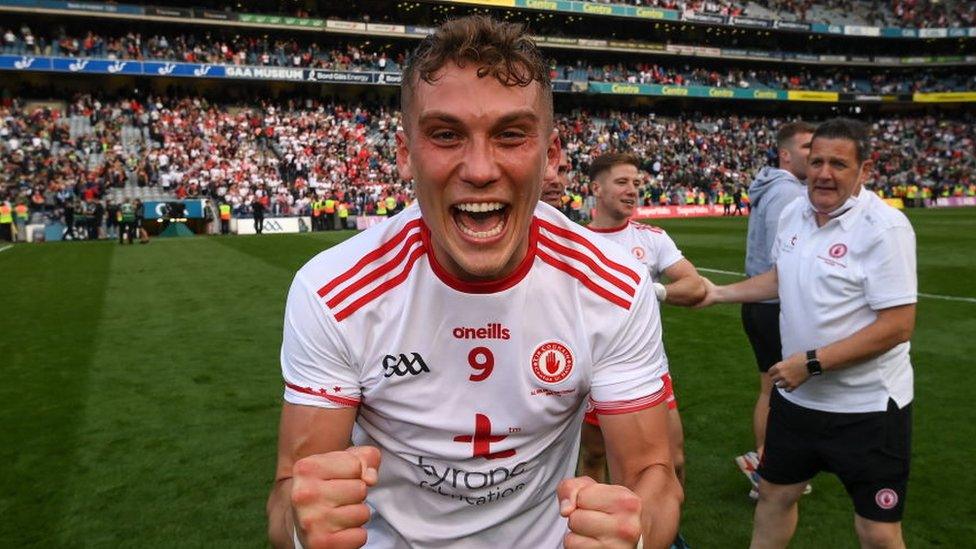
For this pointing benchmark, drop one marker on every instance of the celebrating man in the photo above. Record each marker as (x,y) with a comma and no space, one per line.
(456,344)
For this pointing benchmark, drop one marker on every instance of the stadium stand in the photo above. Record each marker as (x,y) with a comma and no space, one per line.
(236,49)
(288,144)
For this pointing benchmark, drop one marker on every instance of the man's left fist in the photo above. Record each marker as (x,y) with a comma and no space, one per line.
(600,515)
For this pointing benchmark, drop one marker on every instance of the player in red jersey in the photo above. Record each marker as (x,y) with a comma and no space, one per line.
(437,366)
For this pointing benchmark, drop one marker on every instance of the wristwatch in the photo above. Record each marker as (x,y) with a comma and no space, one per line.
(813,363)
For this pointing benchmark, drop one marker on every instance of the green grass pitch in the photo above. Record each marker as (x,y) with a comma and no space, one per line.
(139,392)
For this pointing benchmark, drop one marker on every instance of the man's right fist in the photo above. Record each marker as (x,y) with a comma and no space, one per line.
(328,495)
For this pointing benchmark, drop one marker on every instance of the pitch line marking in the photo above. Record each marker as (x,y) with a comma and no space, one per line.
(5,248)
(929,296)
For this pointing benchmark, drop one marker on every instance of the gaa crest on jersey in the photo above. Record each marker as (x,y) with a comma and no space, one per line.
(552,362)
(638,252)
(838,251)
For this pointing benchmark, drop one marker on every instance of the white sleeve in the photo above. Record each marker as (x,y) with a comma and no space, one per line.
(667,253)
(628,377)
(315,361)
(889,269)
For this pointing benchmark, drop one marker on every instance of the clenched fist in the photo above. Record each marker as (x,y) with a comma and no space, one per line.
(328,496)
(600,515)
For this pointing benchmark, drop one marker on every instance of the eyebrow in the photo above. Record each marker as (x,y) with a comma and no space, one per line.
(441,116)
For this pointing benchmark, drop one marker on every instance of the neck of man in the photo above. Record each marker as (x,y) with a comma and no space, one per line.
(822,218)
(607,220)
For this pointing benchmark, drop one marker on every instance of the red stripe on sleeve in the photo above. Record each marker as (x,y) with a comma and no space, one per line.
(630,406)
(382,288)
(376,273)
(588,261)
(585,280)
(321,393)
(579,239)
(369,258)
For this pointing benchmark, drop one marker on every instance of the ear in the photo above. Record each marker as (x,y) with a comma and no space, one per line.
(554,153)
(403,156)
(867,169)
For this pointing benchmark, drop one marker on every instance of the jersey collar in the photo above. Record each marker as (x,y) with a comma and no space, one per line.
(490,286)
(611,229)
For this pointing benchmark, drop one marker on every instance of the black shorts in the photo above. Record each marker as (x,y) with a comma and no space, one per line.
(761,323)
(869,453)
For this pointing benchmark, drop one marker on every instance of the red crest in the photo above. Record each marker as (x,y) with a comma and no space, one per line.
(638,252)
(552,362)
(886,498)
(838,251)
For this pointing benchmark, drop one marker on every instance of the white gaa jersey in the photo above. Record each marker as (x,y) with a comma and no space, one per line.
(650,245)
(474,392)
(832,281)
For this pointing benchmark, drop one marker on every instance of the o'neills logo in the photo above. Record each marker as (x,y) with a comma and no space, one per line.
(493,330)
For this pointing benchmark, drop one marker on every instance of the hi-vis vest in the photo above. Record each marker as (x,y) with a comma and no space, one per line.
(127,213)
(5,216)
(577,202)
(380,207)
(329,206)
(390,203)
(225,212)
(21,211)
(343,210)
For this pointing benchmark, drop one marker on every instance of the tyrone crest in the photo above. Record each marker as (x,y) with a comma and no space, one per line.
(552,362)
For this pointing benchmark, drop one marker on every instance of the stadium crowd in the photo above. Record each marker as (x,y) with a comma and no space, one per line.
(236,49)
(209,47)
(904,13)
(290,155)
(840,80)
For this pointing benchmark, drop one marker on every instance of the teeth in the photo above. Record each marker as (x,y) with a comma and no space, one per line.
(482,234)
(478,207)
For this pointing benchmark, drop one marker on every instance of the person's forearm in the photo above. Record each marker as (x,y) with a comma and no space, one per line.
(686,291)
(661,496)
(874,339)
(280,521)
(758,288)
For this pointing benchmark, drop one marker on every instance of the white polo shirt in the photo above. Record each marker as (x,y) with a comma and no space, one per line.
(832,281)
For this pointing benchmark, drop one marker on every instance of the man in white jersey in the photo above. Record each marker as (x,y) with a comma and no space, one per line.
(437,366)
(845,277)
(616,182)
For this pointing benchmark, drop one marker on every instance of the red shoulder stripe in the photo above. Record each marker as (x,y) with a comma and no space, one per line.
(579,239)
(369,258)
(585,280)
(376,273)
(321,393)
(588,261)
(384,287)
(646,227)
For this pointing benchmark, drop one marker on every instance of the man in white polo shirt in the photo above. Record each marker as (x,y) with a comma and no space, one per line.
(845,277)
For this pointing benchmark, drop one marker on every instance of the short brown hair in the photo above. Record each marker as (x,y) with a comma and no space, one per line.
(851,130)
(606,162)
(501,50)
(790,129)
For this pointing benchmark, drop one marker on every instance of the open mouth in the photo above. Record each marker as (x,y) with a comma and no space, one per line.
(480,220)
